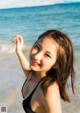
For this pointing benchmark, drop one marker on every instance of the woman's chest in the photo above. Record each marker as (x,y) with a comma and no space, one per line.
(37,102)
(33,95)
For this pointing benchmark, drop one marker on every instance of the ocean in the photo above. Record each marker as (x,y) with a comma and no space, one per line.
(30,22)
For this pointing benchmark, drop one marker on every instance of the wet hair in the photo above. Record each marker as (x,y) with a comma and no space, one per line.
(63,68)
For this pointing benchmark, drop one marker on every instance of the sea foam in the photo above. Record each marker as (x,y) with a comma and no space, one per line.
(6,47)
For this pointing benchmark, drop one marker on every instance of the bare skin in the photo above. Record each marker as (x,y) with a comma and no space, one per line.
(42,59)
(23,61)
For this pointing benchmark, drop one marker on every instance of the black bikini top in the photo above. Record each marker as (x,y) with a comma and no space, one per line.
(27,101)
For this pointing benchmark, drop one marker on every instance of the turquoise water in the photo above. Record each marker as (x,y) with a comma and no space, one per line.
(30,22)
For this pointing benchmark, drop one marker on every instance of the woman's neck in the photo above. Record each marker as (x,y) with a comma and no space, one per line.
(38,75)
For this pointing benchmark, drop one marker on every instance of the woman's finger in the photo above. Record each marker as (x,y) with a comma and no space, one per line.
(20,38)
(14,40)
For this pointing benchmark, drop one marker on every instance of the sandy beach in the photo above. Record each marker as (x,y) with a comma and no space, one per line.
(12,79)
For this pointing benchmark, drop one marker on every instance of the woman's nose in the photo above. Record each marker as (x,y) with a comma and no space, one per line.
(38,56)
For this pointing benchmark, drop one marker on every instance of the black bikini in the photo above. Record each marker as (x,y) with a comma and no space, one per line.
(26,102)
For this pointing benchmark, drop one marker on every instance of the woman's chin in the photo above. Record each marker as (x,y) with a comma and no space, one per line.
(34,68)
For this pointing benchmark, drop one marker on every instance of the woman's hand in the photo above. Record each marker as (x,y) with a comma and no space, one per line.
(19,43)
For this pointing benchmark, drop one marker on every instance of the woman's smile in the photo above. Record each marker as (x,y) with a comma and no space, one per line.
(34,63)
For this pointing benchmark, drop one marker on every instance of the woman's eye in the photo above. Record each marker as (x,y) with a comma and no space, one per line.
(47,55)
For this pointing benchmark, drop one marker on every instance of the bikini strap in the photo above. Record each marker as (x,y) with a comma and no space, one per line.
(35,87)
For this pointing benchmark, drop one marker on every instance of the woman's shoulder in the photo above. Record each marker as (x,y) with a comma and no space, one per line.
(51,98)
(51,91)
(53,88)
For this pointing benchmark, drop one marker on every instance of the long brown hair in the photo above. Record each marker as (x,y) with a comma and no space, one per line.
(64,64)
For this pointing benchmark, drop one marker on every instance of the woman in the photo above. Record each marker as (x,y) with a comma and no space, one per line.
(51,64)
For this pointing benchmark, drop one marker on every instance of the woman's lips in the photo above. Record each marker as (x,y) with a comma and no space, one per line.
(34,63)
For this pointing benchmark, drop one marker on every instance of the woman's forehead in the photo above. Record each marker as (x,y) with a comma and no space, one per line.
(47,40)
(48,44)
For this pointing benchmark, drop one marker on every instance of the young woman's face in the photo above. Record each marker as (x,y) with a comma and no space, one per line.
(43,54)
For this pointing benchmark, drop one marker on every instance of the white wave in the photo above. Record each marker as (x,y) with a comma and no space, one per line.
(6,48)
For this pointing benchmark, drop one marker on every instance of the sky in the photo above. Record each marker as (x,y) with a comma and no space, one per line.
(24,3)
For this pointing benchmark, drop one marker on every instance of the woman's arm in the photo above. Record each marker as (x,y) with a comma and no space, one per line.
(23,61)
(52,99)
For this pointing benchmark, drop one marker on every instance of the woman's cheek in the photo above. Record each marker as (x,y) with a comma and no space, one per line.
(47,62)
(33,51)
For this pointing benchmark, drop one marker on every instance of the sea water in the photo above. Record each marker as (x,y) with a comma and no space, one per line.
(30,22)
